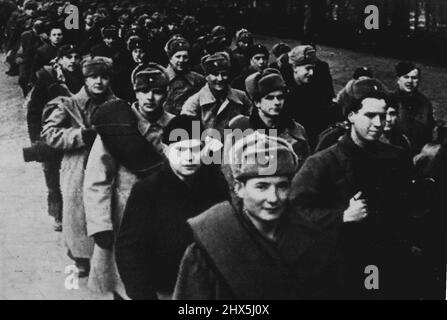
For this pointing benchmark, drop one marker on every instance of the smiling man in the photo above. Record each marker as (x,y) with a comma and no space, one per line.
(217,103)
(257,248)
(267,89)
(359,187)
(183,82)
(415,110)
(67,127)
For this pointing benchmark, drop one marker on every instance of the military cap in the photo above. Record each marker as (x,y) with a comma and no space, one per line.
(263,82)
(302,55)
(258,155)
(67,49)
(151,76)
(404,67)
(257,49)
(216,62)
(96,66)
(176,44)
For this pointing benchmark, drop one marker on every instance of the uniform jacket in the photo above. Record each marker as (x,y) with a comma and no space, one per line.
(204,105)
(63,121)
(181,87)
(323,187)
(154,233)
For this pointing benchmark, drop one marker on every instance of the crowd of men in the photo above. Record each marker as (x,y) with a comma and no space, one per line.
(351,180)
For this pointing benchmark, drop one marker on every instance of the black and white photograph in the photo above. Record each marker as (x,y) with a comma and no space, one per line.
(240,150)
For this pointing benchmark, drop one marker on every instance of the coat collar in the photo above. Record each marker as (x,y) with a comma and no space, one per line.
(82,97)
(250,256)
(144,125)
(207,97)
(80,102)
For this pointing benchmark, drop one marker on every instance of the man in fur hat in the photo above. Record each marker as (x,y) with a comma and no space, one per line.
(67,127)
(258,248)
(108,180)
(183,82)
(217,103)
(154,233)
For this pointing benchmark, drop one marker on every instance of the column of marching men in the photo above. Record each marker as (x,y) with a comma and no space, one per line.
(351,180)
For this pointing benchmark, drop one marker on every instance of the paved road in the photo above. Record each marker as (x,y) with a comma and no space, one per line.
(32,256)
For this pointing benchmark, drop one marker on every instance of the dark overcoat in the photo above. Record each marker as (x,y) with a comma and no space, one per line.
(154,234)
(230,259)
(322,190)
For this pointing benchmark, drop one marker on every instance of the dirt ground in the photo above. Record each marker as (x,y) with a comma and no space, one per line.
(32,255)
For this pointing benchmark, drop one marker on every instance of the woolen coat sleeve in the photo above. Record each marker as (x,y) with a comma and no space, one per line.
(248,105)
(195,280)
(99,182)
(58,131)
(192,106)
(131,247)
(311,188)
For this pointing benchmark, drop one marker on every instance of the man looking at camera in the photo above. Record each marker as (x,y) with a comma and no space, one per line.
(67,127)
(359,187)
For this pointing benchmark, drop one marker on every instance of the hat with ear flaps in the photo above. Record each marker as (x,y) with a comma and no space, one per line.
(258,155)
(263,82)
(151,75)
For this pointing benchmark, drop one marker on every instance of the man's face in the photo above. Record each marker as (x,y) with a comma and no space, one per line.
(179,60)
(30,12)
(369,121)
(218,81)
(184,157)
(271,105)
(56,36)
(243,44)
(138,55)
(89,20)
(156,16)
(60,10)
(97,85)
(303,74)
(150,100)
(70,62)
(264,198)
(409,82)
(124,18)
(109,41)
(259,62)
(391,119)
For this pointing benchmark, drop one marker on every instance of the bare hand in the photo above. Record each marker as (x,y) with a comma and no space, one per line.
(357,210)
